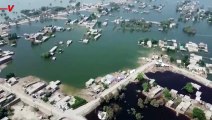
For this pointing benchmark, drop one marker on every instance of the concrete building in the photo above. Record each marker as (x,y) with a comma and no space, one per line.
(161,43)
(183,107)
(192,47)
(63,103)
(35,87)
(55,98)
(5,59)
(149,43)
(208,115)
(169,103)
(173,93)
(89,82)
(195,58)
(12,81)
(53,85)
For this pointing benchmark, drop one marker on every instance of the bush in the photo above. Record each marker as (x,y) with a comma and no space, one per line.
(198,113)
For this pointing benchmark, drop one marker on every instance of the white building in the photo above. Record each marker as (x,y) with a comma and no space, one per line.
(89,82)
(149,43)
(63,103)
(192,47)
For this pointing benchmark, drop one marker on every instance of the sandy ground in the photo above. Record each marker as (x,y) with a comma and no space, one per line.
(25,112)
(2,67)
(83,93)
(28,80)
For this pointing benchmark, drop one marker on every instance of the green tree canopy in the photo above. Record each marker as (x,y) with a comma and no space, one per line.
(199,114)
(189,88)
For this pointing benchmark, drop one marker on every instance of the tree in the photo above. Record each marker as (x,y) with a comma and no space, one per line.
(109,111)
(46,55)
(201,63)
(108,97)
(138,116)
(45,99)
(78,102)
(172,59)
(198,113)
(167,94)
(48,94)
(146,101)
(12,36)
(140,77)
(5,112)
(146,86)
(189,88)
(122,96)
(170,51)
(10,75)
(78,5)
(99,24)
(185,60)
(189,30)
(154,42)
(140,103)
(116,108)
(154,103)
(1,38)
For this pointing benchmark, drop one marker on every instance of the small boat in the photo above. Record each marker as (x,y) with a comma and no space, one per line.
(84,41)
(12,45)
(53,58)
(60,51)
(68,29)
(68,42)
(61,42)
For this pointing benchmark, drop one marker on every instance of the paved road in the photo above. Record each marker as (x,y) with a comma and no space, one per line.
(44,107)
(84,110)
(193,76)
